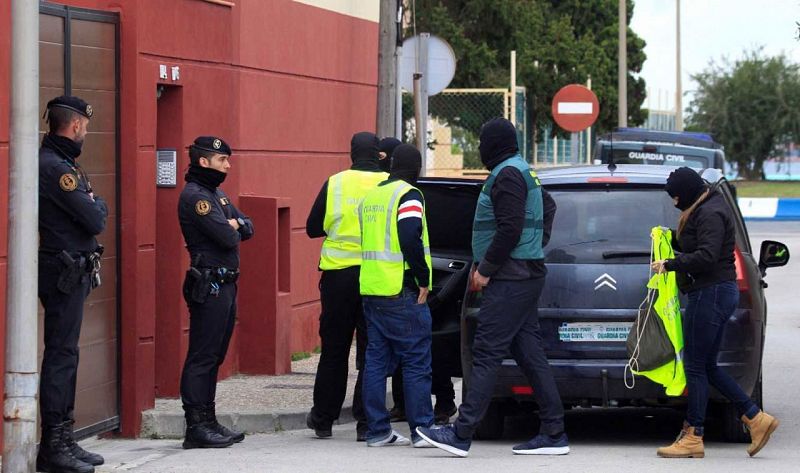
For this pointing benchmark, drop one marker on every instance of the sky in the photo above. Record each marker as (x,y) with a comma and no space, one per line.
(710,30)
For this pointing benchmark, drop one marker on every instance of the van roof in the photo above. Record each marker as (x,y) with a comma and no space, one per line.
(642,135)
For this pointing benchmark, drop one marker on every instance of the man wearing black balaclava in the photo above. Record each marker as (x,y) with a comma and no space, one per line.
(212,228)
(334,216)
(386,147)
(395,280)
(70,218)
(512,223)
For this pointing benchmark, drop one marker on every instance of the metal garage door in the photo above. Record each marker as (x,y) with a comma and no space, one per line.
(78,56)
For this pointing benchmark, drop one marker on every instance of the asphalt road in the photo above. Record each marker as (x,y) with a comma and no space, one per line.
(612,440)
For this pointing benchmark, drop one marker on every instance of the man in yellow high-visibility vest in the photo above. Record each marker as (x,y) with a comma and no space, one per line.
(335,217)
(395,280)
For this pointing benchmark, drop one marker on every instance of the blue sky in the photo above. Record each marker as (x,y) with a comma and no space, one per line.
(710,29)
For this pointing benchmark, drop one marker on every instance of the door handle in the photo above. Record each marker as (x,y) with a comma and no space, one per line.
(456,265)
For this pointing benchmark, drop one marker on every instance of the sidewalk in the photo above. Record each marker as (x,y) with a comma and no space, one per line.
(254,404)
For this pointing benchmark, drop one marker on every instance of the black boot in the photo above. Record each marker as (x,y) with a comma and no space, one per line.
(75,449)
(54,455)
(200,434)
(211,414)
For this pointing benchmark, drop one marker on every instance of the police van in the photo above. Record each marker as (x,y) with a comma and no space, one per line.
(670,148)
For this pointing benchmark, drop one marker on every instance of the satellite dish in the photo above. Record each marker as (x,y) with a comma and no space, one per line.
(441,64)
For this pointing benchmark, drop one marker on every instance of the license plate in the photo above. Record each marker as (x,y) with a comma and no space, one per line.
(594,331)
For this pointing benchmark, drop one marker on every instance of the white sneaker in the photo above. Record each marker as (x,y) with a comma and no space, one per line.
(422,443)
(391,440)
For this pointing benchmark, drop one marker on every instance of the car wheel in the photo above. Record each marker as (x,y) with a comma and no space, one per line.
(733,430)
(493,422)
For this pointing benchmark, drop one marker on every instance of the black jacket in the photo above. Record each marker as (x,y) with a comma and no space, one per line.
(69,217)
(705,246)
(508,195)
(203,214)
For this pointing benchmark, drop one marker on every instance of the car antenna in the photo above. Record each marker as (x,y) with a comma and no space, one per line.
(611,166)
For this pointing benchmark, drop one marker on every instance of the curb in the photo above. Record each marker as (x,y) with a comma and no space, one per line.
(171,424)
(769,208)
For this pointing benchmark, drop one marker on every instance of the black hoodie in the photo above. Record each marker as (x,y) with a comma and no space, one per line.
(498,142)
(364,156)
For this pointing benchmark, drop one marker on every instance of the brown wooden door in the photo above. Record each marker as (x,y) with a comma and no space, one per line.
(78,56)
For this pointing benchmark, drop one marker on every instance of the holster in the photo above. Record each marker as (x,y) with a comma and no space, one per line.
(197,283)
(72,272)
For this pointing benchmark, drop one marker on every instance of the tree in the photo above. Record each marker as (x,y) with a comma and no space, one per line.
(750,106)
(558,42)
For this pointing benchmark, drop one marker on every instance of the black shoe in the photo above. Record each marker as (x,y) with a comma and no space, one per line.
(211,416)
(442,414)
(55,457)
(319,430)
(361,431)
(199,432)
(397,415)
(75,449)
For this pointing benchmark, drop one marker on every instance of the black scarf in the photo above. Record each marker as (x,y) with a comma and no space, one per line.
(206,177)
(498,142)
(66,147)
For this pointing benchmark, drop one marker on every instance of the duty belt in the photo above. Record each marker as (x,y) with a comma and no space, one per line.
(223,275)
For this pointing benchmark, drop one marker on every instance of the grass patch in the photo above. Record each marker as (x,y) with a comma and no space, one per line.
(300,355)
(767,188)
(317,350)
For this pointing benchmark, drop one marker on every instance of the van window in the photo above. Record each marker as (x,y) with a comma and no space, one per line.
(607,226)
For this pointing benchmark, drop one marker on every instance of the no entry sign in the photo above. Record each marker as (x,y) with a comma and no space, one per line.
(575,107)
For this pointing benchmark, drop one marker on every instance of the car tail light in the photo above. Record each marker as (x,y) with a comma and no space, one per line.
(522,390)
(741,277)
(607,180)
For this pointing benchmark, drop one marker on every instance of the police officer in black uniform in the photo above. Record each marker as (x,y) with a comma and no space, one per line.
(212,228)
(70,216)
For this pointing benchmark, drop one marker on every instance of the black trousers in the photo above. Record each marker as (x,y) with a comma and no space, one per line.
(210,329)
(342,313)
(441,384)
(63,315)
(509,320)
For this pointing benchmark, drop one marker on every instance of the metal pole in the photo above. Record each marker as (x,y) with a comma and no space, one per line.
(589,130)
(513,112)
(21,377)
(678,85)
(555,150)
(387,71)
(573,148)
(622,80)
(421,99)
(398,53)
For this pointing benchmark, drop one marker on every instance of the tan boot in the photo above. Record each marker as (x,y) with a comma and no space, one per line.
(687,445)
(760,427)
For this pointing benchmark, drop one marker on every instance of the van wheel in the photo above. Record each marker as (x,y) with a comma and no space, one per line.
(493,422)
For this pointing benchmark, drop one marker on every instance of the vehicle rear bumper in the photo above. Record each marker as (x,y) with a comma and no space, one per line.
(597,382)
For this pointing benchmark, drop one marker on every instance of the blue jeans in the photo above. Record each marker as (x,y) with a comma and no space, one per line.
(398,331)
(704,323)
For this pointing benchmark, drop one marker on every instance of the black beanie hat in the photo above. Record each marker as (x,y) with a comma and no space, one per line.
(498,142)
(364,147)
(406,163)
(685,184)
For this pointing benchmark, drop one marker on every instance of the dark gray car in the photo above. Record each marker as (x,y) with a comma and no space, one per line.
(597,261)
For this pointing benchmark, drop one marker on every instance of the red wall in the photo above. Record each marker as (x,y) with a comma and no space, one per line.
(286,85)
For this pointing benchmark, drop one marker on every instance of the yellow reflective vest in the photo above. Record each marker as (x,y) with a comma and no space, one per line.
(668,307)
(383,264)
(342,246)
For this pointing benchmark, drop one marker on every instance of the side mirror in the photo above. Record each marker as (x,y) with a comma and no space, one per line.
(773,254)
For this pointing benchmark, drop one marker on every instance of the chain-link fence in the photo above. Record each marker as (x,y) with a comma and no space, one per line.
(454,123)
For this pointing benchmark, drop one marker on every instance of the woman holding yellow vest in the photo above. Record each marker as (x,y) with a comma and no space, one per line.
(395,280)
(707,274)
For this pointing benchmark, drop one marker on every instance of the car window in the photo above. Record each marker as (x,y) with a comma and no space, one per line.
(657,155)
(608,226)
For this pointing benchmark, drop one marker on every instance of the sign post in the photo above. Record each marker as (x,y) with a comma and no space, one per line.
(575,108)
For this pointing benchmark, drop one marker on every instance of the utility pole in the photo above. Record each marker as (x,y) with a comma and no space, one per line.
(21,376)
(387,69)
(622,81)
(421,99)
(678,84)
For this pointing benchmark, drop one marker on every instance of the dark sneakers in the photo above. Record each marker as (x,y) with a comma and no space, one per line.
(211,413)
(361,431)
(544,445)
(445,437)
(443,413)
(397,415)
(54,455)
(320,431)
(200,432)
